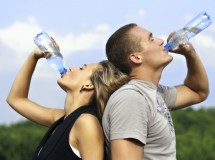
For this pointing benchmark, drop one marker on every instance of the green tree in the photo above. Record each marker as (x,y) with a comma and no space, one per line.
(19,141)
(195,133)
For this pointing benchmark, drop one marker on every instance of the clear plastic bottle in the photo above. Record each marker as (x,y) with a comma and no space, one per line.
(196,25)
(52,54)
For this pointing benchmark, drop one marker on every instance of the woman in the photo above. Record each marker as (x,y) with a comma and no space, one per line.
(75,132)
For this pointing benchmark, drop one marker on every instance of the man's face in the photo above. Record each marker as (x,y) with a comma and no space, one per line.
(154,54)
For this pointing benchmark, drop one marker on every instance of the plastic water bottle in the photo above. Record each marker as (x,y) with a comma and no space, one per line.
(52,54)
(196,25)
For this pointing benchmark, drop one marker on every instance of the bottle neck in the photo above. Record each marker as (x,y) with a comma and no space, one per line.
(62,71)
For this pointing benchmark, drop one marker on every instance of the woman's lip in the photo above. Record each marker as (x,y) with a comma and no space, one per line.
(70,70)
(62,75)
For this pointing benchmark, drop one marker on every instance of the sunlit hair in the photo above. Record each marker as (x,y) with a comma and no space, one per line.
(120,45)
(106,79)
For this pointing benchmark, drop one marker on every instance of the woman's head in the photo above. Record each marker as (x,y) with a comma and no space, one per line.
(93,83)
(77,79)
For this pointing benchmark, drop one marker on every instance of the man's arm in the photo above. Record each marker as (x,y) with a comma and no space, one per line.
(196,86)
(126,149)
(128,122)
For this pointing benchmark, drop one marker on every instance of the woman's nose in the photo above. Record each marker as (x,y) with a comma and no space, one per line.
(71,68)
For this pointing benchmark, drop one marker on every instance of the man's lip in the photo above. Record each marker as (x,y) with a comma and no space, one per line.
(165,50)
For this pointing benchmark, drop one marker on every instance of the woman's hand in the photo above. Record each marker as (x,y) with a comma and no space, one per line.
(37,53)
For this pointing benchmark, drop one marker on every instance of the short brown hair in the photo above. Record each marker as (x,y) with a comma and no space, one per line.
(120,45)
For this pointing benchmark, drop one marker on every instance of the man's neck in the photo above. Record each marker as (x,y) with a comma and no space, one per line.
(147,75)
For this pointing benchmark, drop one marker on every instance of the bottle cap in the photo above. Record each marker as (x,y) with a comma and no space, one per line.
(168,47)
(62,71)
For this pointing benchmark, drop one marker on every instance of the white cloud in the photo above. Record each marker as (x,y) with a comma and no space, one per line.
(92,39)
(17,41)
(19,36)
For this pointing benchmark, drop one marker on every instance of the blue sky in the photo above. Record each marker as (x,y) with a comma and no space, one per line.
(81,28)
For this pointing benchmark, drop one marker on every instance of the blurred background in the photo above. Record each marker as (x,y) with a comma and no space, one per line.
(81,28)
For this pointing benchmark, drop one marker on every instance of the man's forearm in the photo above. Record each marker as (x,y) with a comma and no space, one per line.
(197,78)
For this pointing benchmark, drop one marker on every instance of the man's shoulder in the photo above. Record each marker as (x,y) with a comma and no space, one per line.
(128,93)
(126,89)
(133,86)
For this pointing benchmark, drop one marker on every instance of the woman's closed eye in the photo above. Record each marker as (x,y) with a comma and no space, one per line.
(84,66)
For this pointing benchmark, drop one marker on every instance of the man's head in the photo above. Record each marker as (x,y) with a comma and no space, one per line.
(132,46)
(120,45)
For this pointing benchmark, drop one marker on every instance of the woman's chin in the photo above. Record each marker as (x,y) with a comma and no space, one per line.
(61,85)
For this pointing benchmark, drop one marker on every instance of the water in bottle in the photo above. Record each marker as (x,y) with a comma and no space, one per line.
(52,53)
(196,25)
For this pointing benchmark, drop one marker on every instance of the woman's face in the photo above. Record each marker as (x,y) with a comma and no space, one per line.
(75,78)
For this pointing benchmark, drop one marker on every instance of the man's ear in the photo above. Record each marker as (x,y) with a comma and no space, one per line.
(136,57)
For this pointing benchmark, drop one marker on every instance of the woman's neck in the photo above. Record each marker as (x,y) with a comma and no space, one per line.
(74,101)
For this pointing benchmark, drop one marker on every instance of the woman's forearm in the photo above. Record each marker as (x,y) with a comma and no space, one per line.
(21,84)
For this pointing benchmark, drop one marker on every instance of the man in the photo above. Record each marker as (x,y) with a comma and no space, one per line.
(137,122)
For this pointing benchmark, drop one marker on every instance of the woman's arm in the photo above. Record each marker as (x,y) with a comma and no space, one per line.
(18,96)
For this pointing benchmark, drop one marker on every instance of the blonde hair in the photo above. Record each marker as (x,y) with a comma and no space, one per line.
(106,79)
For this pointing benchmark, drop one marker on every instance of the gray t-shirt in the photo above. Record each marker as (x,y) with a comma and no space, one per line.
(140,110)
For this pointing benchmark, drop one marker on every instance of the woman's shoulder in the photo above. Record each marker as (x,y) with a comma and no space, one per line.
(86,120)
(87,126)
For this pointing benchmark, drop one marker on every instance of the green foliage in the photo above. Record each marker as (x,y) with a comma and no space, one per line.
(195,136)
(19,141)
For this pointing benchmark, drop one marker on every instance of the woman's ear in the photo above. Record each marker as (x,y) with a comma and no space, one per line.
(88,86)
(136,58)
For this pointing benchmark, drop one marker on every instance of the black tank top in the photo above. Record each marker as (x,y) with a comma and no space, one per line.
(55,143)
